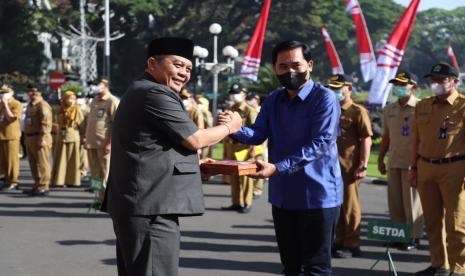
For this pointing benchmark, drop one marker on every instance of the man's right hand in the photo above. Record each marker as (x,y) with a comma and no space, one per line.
(381,167)
(232,119)
(412,177)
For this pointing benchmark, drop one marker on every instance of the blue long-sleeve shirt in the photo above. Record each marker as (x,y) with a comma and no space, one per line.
(301,135)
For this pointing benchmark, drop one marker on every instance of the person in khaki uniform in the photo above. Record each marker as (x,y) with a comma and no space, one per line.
(10,133)
(83,159)
(66,155)
(241,186)
(203,104)
(403,200)
(194,113)
(253,100)
(37,129)
(438,170)
(98,131)
(354,145)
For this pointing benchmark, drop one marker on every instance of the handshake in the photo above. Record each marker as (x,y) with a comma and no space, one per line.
(232,120)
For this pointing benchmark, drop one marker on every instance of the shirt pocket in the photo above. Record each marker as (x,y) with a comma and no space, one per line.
(185,168)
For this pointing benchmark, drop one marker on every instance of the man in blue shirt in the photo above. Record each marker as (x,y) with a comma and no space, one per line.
(301,123)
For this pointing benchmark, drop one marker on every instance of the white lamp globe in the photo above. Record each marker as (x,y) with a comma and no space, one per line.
(230,51)
(215,28)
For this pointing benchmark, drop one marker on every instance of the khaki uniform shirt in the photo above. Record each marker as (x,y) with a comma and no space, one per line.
(85,110)
(196,115)
(248,114)
(354,125)
(100,120)
(397,124)
(68,134)
(11,130)
(430,116)
(38,120)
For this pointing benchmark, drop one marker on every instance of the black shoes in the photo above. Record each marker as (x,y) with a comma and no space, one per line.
(344,252)
(413,244)
(246,209)
(36,192)
(233,207)
(431,271)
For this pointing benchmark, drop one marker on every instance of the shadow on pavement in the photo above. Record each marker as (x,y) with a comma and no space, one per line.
(362,272)
(215,247)
(46,205)
(253,226)
(227,236)
(40,213)
(230,265)
(86,242)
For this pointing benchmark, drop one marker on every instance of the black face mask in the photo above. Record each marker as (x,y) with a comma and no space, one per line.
(292,80)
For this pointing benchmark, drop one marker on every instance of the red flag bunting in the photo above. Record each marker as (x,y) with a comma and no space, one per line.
(390,56)
(365,48)
(253,55)
(336,65)
(451,54)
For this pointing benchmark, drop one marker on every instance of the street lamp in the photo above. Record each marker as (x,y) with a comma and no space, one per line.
(215,67)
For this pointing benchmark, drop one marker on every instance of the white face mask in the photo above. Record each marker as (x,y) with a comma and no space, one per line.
(7,96)
(200,106)
(186,103)
(439,89)
(236,98)
(81,101)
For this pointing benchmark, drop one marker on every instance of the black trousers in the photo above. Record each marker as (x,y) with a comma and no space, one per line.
(147,245)
(304,239)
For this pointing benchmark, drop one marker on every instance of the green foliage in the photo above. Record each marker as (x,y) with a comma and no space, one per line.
(76,88)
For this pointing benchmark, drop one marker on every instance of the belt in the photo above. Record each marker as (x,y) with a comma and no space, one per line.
(444,160)
(32,134)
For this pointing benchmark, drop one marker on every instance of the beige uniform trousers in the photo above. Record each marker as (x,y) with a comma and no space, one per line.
(66,164)
(242,190)
(99,164)
(404,201)
(39,161)
(83,161)
(442,194)
(9,160)
(350,218)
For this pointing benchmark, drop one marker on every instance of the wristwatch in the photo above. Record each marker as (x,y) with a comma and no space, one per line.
(363,168)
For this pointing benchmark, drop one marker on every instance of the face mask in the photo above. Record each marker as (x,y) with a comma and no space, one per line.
(6,96)
(400,91)
(186,103)
(292,80)
(250,103)
(80,101)
(200,106)
(71,102)
(339,95)
(237,98)
(438,89)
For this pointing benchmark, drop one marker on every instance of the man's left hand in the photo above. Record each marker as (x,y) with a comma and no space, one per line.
(107,148)
(360,173)
(265,170)
(205,176)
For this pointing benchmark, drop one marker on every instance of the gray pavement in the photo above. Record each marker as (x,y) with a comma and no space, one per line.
(56,236)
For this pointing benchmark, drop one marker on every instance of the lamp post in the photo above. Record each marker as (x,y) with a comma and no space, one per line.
(215,67)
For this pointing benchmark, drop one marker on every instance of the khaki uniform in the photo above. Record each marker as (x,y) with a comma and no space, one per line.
(83,158)
(66,154)
(10,134)
(37,127)
(196,116)
(354,126)
(258,183)
(241,186)
(207,122)
(442,186)
(98,134)
(403,200)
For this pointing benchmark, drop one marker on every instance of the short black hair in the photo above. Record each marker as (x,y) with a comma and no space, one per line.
(291,44)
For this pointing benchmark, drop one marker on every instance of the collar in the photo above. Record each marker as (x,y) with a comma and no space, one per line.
(347,104)
(451,99)
(303,92)
(412,101)
(39,99)
(106,97)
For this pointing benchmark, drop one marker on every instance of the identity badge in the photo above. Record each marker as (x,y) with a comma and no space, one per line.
(100,112)
(405,126)
(2,118)
(29,120)
(443,129)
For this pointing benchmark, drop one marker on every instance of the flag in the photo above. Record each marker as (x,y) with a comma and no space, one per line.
(390,57)
(253,55)
(450,52)
(365,48)
(336,65)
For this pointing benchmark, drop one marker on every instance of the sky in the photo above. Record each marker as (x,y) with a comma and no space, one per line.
(443,4)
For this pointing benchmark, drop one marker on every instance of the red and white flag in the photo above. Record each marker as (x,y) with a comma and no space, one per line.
(450,52)
(390,57)
(253,55)
(365,48)
(336,65)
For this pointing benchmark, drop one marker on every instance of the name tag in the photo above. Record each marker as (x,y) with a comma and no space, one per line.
(29,120)
(2,118)
(64,132)
(100,112)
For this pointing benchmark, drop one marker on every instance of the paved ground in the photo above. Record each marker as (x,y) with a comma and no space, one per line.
(56,236)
